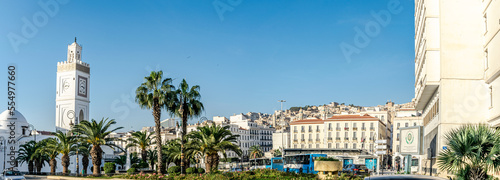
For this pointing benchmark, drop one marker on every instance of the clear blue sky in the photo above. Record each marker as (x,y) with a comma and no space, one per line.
(246,59)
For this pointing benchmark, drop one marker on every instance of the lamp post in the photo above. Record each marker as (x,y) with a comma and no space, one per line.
(77,147)
(282,128)
(2,143)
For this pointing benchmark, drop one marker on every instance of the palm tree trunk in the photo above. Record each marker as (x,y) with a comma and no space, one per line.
(96,153)
(38,165)
(53,165)
(30,167)
(65,163)
(183,139)
(85,163)
(215,166)
(144,155)
(208,163)
(157,116)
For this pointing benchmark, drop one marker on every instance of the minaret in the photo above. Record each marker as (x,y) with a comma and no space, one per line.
(72,89)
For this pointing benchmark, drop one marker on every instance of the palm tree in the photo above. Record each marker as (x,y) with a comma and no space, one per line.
(121,160)
(96,133)
(255,151)
(277,153)
(142,140)
(212,140)
(155,94)
(152,157)
(50,150)
(65,145)
(83,150)
(186,104)
(473,151)
(172,151)
(26,154)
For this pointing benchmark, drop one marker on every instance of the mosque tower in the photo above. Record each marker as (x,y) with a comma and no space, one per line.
(72,89)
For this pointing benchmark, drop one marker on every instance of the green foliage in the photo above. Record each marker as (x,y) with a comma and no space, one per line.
(200,170)
(254,174)
(326,159)
(131,171)
(191,170)
(109,167)
(473,150)
(174,170)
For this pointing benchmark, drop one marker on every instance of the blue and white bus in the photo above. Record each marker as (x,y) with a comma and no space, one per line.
(260,163)
(277,163)
(302,163)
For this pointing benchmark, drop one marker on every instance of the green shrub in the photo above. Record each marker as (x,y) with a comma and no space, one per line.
(109,167)
(190,170)
(326,159)
(131,171)
(174,170)
(200,170)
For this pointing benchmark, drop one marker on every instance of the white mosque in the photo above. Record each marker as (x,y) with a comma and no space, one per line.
(72,106)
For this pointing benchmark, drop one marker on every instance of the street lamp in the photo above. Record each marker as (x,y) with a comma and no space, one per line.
(181,112)
(4,144)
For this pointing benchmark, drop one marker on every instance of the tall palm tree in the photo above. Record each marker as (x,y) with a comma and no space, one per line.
(172,151)
(66,144)
(142,140)
(26,154)
(96,133)
(473,151)
(83,150)
(50,150)
(186,104)
(155,94)
(152,157)
(212,140)
(255,151)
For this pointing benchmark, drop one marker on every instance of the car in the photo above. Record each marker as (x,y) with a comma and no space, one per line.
(12,175)
(406,177)
(235,170)
(355,169)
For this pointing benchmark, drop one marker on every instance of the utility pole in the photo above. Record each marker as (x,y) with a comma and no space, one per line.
(282,129)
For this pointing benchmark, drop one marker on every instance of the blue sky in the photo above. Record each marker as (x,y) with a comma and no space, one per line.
(246,58)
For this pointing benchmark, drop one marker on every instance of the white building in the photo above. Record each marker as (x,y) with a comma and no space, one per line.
(72,89)
(281,140)
(457,65)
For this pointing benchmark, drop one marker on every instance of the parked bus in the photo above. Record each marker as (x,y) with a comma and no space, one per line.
(277,163)
(260,163)
(302,163)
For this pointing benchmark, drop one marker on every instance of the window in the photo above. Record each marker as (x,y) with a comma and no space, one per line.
(397,137)
(329,145)
(363,125)
(302,137)
(310,129)
(337,145)
(354,134)
(317,128)
(302,146)
(371,125)
(486,59)
(354,125)
(362,145)
(397,148)
(338,134)
(302,128)
(329,126)
(485,17)
(346,146)
(414,124)
(346,125)
(329,134)
(338,125)
(382,117)
(491,96)
(399,125)
(295,136)
(317,136)
(346,134)
(310,146)
(295,129)
(317,145)
(295,146)
(406,124)
(354,146)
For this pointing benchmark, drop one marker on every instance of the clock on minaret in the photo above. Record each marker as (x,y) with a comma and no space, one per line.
(72,89)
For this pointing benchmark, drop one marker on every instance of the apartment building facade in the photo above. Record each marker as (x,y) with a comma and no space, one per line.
(338,132)
(457,64)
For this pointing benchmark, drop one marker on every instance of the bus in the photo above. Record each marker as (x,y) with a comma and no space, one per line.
(277,163)
(260,163)
(301,163)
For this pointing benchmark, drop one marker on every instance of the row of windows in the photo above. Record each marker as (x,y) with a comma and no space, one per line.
(406,125)
(346,125)
(337,146)
(346,134)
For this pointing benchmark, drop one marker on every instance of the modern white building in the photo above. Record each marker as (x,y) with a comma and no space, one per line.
(457,65)
(281,139)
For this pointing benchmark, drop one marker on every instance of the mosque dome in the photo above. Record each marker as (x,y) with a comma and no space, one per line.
(17,115)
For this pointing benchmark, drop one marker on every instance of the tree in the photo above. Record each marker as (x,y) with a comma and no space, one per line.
(121,160)
(277,153)
(142,140)
(212,140)
(255,151)
(154,94)
(152,157)
(49,149)
(186,104)
(64,144)
(473,151)
(84,150)
(96,133)
(27,154)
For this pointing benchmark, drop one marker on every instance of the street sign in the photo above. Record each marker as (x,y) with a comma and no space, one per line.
(381,152)
(381,141)
(381,147)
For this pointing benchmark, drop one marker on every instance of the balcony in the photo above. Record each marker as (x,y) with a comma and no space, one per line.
(318,140)
(303,131)
(317,130)
(337,139)
(354,128)
(330,129)
(372,129)
(310,130)
(330,139)
(295,131)
(338,129)
(310,140)
(354,138)
(346,128)
(346,138)
(295,140)
(363,128)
